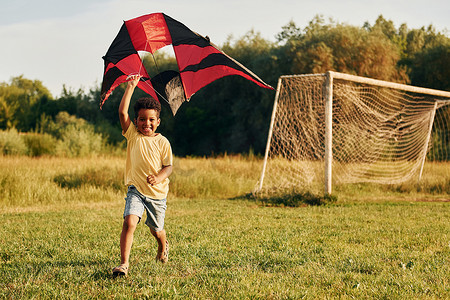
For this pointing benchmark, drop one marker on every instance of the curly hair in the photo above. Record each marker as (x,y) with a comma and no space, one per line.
(147,103)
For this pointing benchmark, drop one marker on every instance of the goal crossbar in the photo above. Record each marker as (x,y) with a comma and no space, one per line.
(388,84)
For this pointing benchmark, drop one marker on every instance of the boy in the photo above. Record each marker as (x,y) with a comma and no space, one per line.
(148,166)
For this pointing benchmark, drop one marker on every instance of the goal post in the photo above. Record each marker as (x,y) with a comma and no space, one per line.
(269,138)
(339,128)
(328,95)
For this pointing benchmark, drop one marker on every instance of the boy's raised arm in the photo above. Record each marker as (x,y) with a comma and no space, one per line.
(125,103)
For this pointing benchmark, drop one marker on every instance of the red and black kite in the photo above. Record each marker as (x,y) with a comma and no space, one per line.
(199,61)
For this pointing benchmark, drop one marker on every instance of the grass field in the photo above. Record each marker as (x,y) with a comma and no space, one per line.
(61,220)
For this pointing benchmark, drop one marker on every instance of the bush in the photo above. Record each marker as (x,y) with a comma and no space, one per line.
(11,143)
(76,142)
(75,136)
(68,136)
(40,144)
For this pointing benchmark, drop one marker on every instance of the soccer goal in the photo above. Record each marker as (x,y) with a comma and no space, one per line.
(337,128)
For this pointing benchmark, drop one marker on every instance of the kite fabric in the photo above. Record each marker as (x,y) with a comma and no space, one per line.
(199,61)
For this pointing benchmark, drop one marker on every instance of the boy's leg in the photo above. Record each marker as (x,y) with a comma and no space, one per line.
(156,211)
(126,238)
(162,243)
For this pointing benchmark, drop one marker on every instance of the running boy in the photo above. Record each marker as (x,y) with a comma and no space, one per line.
(148,166)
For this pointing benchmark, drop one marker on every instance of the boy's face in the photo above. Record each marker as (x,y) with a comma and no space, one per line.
(147,121)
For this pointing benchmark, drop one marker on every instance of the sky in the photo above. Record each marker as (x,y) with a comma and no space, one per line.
(61,43)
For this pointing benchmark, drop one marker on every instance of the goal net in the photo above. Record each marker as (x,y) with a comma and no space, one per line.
(337,128)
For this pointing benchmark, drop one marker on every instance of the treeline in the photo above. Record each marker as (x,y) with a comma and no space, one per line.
(232,114)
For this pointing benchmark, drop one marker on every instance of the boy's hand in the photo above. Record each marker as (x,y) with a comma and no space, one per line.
(151,179)
(133,80)
(161,176)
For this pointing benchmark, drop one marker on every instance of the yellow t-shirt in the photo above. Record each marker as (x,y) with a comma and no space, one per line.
(145,156)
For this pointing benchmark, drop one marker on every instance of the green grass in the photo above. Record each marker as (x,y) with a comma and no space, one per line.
(61,220)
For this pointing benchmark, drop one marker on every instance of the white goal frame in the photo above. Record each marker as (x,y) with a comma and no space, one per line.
(328,100)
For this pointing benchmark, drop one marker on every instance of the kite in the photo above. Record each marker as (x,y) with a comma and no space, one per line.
(199,61)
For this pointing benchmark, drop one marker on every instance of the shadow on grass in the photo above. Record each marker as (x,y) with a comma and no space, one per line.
(106,178)
(294,199)
(96,270)
(434,188)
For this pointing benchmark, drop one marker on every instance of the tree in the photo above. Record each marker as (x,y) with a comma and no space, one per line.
(17,102)
(344,48)
(430,67)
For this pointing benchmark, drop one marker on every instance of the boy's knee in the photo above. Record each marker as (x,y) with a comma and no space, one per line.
(130,222)
(160,234)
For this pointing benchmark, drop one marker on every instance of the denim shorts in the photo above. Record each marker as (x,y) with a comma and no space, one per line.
(136,203)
